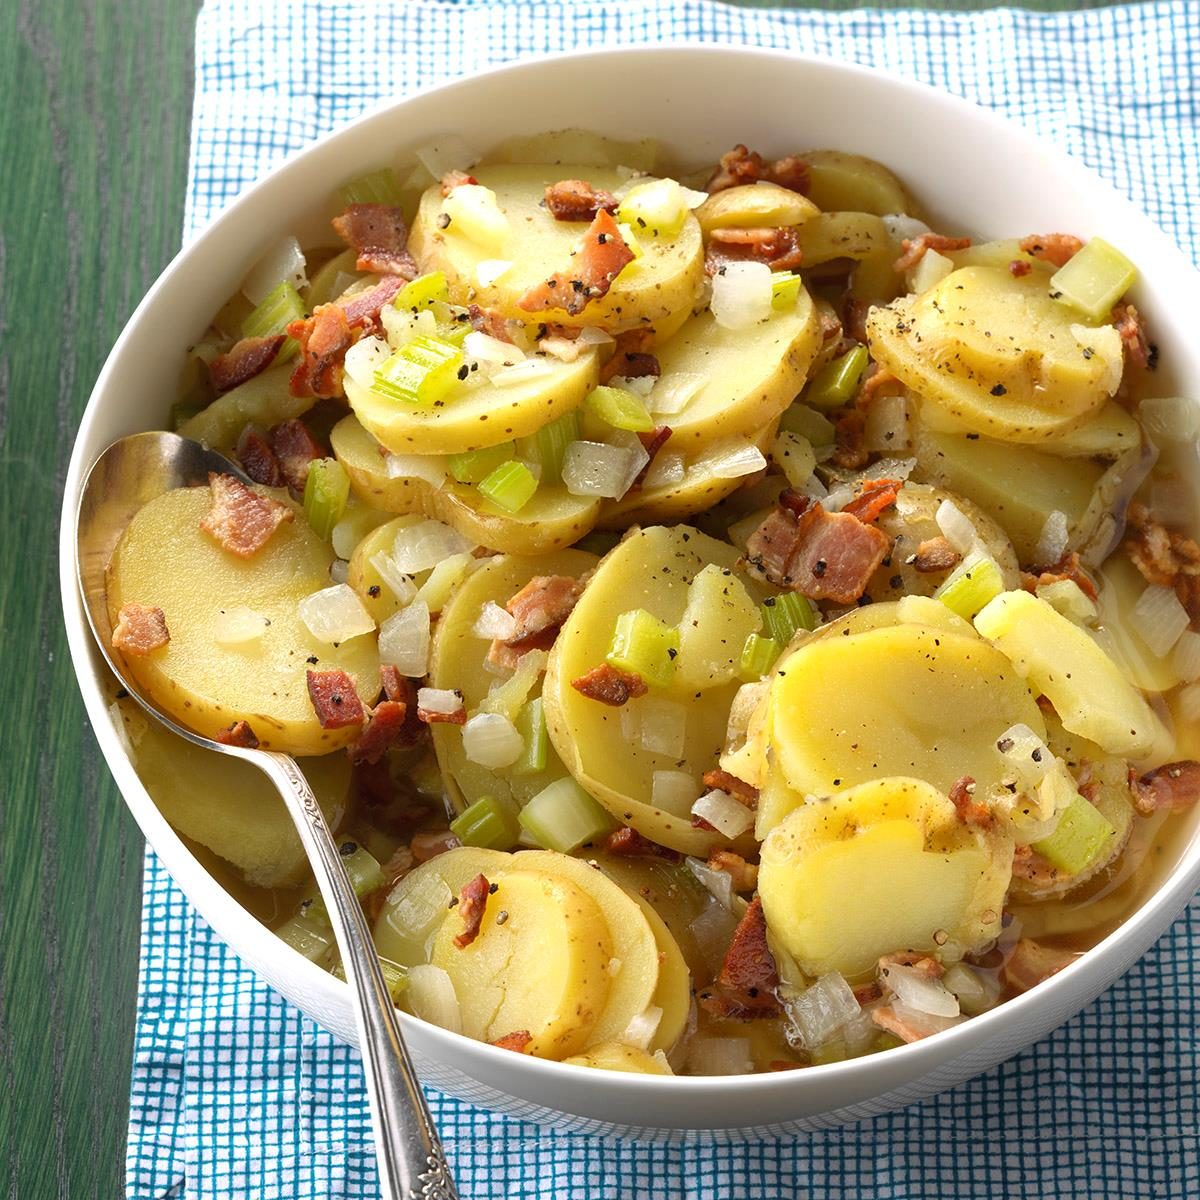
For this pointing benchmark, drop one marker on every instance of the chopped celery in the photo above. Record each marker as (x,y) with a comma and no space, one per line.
(377,187)
(971,584)
(785,290)
(423,373)
(644,645)
(278,310)
(366,875)
(1094,279)
(1079,838)
(620,409)
(326,491)
(758,657)
(563,816)
(808,423)
(531,725)
(424,292)
(394,976)
(549,445)
(836,383)
(510,486)
(474,466)
(454,330)
(308,933)
(787,612)
(489,822)
(830,1052)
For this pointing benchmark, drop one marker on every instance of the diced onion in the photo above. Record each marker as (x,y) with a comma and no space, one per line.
(401,585)
(639,385)
(918,991)
(712,929)
(1104,343)
(1052,541)
(667,470)
(492,351)
(976,992)
(1158,619)
(821,1010)
(718,883)
(1188,702)
(923,1024)
(339,570)
(814,489)
(364,358)
(509,696)
(335,614)
(422,908)
(431,997)
(1186,656)
(492,741)
(794,456)
(731,458)
(673,392)
(929,272)
(522,372)
(401,325)
(741,295)
(901,226)
(565,349)
(449,153)
(494,623)
(727,815)
(838,497)
(956,526)
(429,467)
(720,1056)
(1026,753)
(283,263)
(641,1029)
(404,640)
(444,701)
(674,792)
(238,626)
(890,468)
(657,725)
(1170,418)
(593,335)
(745,703)
(886,425)
(490,269)
(1069,598)
(598,469)
(425,544)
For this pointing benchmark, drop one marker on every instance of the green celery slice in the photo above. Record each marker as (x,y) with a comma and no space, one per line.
(1078,840)
(620,409)
(376,187)
(423,373)
(837,382)
(326,491)
(1094,279)
(563,817)
(784,614)
(489,822)
(510,486)
(645,646)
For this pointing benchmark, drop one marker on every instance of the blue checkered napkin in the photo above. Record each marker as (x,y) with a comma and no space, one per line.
(237,1095)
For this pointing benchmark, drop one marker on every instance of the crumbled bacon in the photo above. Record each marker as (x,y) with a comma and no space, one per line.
(935,554)
(432,842)
(1055,248)
(539,608)
(824,556)
(455,178)
(652,443)
(969,810)
(867,993)
(601,257)
(831,324)
(913,249)
(628,843)
(778,247)
(1166,557)
(241,520)
(472,901)
(925,966)
(239,734)
(378,235)
(1030,866)
(849,435)
(739,166)
(141,629)
(723,781)
(748,977)
(854,321)
(518,1041)
(1138,348)
(743,874)
(873,498)
(1030,963)
(1067,567)
(1174,787)
(879,379)
(334,699)
(1019,268)
(607,685)
(631,357)
(247,358)
(324,339)
(363,308)
(486,320)
(577,200)
(296,449)
(384,729)
(396,686)
(258,459)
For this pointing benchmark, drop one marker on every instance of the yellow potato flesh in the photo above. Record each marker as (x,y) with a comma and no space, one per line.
(364,578)
(851,183)
(263,401)
(719,617)
(545,970)
(576,146)
(755,206)
(553,518)
(883,867)
(614,1056)
(995,353)
(165,559)
(657,290)
(834,235)
(673,993)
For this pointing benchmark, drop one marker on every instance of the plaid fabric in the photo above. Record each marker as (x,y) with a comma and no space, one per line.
(235,1094)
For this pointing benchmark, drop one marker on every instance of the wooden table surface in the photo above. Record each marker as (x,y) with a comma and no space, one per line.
(95,102)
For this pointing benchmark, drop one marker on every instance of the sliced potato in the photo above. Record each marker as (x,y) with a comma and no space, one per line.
(165,559)
(856,235)
(719,617)
(373,589)
(328,283)
(263,401)
(844,182)
(576,146)
(755,205)
(673,993)
(615,1056)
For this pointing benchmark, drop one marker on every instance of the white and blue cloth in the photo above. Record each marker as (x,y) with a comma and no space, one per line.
(236,1096)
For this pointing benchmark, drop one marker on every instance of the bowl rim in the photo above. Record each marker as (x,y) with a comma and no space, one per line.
(1087,975)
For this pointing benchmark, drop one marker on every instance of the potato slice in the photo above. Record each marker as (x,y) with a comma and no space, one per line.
(263,401)
(882,867)
(544,970)
(719,617)
(997,355)
(1121,586)
(1088,691)
(673,993)
(852,183)
(614,1056)
(362,576)
(165,559)
(577,146)
(856,235)
(657,290)
(553,517)
(755,206)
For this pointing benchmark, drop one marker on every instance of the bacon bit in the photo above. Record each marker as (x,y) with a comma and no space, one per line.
(700,823)
(1067,567)
(739,166)
(378,235)
(141,629)
(363,308)
(384,729)
(472,901)
(743,874)
(1030,963)
(577,200)
(607,685)
(247,358)
(831,324)
(241,520)
(239,734)
(779,248)
(890,1021)
(969,810)
(457,717)
(1138,348)
(539,608)
(258,459)
(396,686)
(824,556)
(935,554)
(722,780)
(324,339)
(1174,787)
(1031,867)
(432,842)
(867,993)
(628,843)
(296,449)
(874,497)
(879,379)
(334,699)
(455,178)
(599,260)
(913,249)
(1165,556)
(748,978)
(849,432)
(509,654)
(518,1041)
(1019,268)
(631,357)
(1055,248)
(486,320)
(652,443)
(928,967)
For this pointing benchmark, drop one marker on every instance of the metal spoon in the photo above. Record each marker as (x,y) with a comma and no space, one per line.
(129,474)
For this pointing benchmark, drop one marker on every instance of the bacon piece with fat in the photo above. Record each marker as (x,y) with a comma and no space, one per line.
(1165,556)
(743,874)
(430,717)
(472,901)
(908,1025)
(296,449)
(969,810)
(874,497)
(141,629)
(486,320)
(652,442)
(723,781)
(748,977)
(258,460)
(935,554)
(239,734)
(384,729)
(577,200)
(245,359)
(324,339)
(601,257)
(363,308)
(517,1041)
(879,379)
(607,685)
(455,178)
(1139,350)
(1055,248)
(240,520)
(849,436)
(1019,268)
(378,235)
(912,250)
(1031,963)
(631,357)
(1067,567)
(628,843)
(539,609)
(1174,786)
(779,248)
(429,843)
(740,165)
(334,699)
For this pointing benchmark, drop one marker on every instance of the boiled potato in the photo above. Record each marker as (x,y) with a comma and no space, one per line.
(832,235)
(576,146)
(673,994)
(998,253)
(755,206)
(1121,586)
(884,866)
(719,617)
(545,970)
(165,559)
(656,291)
(263,401)
(997,355)
(844,182)
(332,279)
(553,517)
(362,576)
(1088,691)
(614,1056)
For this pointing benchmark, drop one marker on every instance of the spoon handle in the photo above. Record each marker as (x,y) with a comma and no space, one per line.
(411,1163)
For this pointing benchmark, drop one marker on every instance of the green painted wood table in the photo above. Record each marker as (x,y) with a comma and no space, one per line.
(95,99)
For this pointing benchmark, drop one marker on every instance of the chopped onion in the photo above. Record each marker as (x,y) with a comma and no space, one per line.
(674,792)
(821,1010)
(956,526)
(1027,754)
(238,626)
(720,1056)
(727,815)
(401,325)
(923,1024)
(1103,342)
(364,358)
(339,570)
(1052,541)
(929,272)
(639,385)
(421,910)
(666,471)
(401,585)
(494,623)
(673,392)
(283,263)
(565,349)
(657,725)
(492,351)
(901,226)
(731,458)
(1189,702)
(523,372)
(490,269)
(449,153)
(492,741)
(745,704)
(814,489)
(431,997)
(641,1029)
(890,468)
(335,614)
(1068,598)
(1170,418)
(444,701)
(976,992)
(838,497)
(794,456)
(741,295)
(598,469)
(429,467)
(918,991)
(423,545)
(592,335)
(712,930)
(1186,656)
(508,697)
(718,883)
(1158,619)
(886,424)
(404,640)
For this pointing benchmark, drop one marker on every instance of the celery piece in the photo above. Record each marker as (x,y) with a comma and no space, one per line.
(423,373)
(787,612)
(454,331)
(645,646)
(836,383)
(395,977)
(830,1052)
(1079,838)
(885,1041)
(971,584)
(326,491)
(489,822)
(277,311)
(620,409)
(366,875)
(308,933)
(808,423)
(424,292)
(758,657)
(377,187)
(549,445)
(785,290)
(1094,279)
(510,486)
(474,466)
(531,725)
(563,816)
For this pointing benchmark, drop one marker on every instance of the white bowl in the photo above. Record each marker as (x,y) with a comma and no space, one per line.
(977,172)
